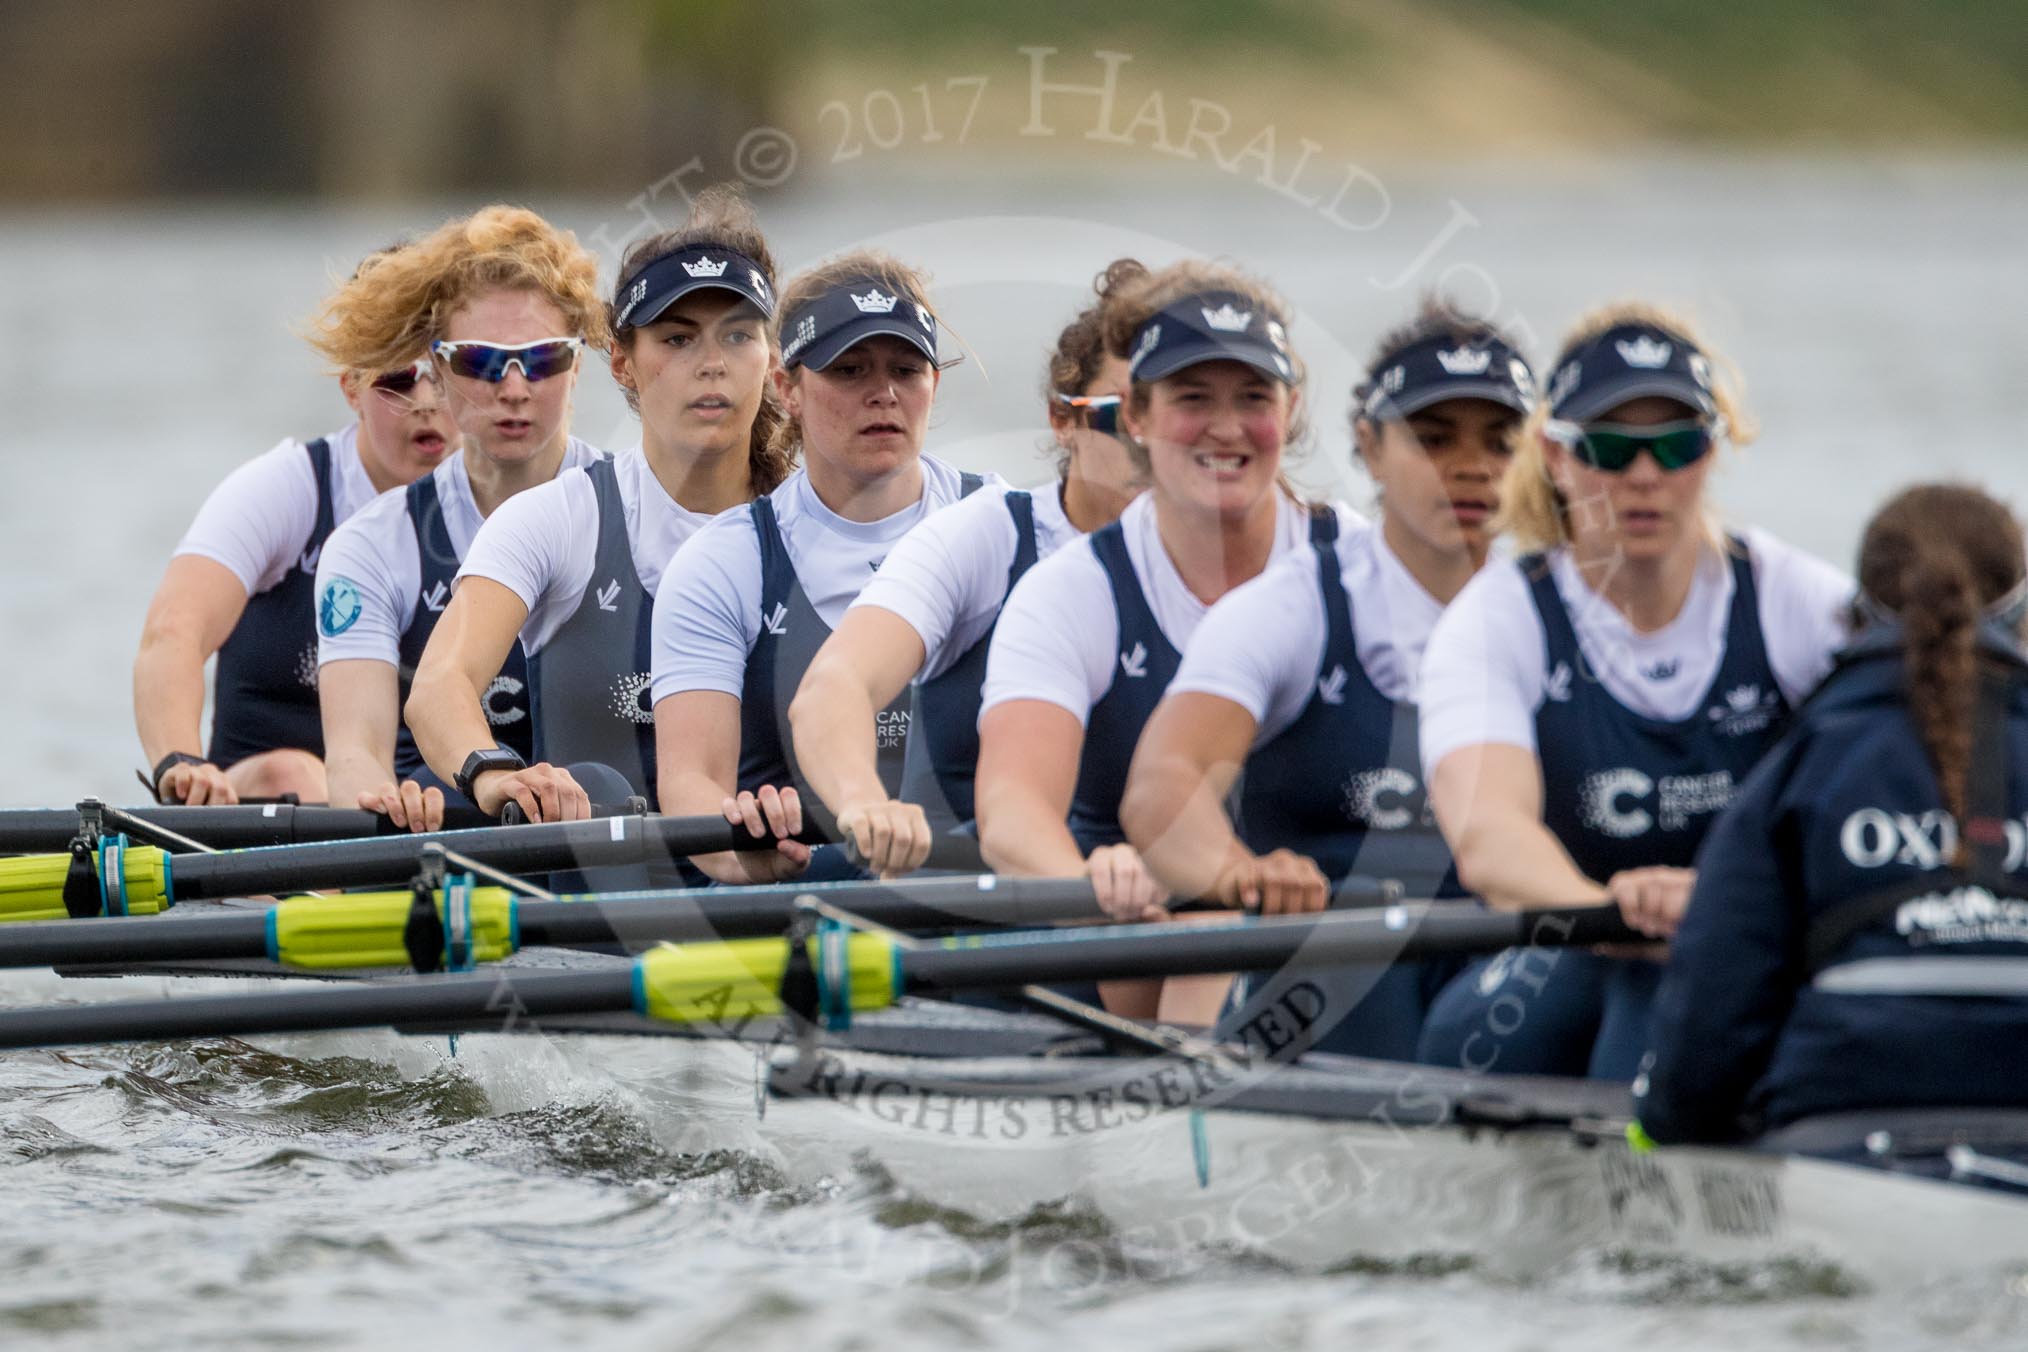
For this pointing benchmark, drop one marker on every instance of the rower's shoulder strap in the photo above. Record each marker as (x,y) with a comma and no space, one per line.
(319,452)
(1021,507)
(970,483)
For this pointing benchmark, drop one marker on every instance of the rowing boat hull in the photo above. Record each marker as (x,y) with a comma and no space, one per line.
(1334,1164)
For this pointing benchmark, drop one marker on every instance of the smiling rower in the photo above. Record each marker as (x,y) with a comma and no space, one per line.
(928,614)
(1090,638)
(747,603)
(242,581)
(1589,707)
(573,567)
(509,304)
(1297,689)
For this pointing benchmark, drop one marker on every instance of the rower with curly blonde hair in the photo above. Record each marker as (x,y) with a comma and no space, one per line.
(504,305)
(241,583)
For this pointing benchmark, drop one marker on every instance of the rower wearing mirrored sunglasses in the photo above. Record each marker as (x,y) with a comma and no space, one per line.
(1296,694)
(746,603)
(573,566)
(515,303)
(928,614)
(241,583)
(1092,635)
(1590,706)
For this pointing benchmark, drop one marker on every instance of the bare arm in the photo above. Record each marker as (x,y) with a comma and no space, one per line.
(361,701)
(1488,800)
(465,652)
(192,615)
(1028,758)
(1185,764)
(868,660)
(697,774)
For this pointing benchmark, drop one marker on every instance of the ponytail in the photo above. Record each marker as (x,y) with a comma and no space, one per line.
(1936,557)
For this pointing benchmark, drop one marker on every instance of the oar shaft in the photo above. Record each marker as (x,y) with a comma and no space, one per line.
(538,848)
(126,941)
(1331,939)
(41,830)
(641,918)
(494,999)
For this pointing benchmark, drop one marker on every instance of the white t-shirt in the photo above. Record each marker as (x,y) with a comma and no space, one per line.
(1484,674)
(257,522)
(1059,636)
(376,552)
(948,577)
(708,617)
(543,544)
(1262,644)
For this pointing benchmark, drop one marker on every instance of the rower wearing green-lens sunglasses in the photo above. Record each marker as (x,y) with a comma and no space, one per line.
(1589,706)
(1613,447)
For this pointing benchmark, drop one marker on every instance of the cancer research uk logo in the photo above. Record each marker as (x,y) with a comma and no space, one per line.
(338,606)
(1623,803)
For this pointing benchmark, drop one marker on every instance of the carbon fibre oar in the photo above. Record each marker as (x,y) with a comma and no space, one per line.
(841,972)
(237,827)
(378,929)
(141,880)
(372,929)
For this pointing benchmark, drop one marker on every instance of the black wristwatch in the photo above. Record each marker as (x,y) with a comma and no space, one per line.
(484,759)
(168,763)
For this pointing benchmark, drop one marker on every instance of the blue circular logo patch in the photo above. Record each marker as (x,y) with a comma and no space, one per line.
(338,606)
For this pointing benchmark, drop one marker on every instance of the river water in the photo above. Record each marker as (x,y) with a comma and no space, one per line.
(352,1190)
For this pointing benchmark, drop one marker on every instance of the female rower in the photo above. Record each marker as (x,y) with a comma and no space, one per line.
(506,303)
(928,615)
(1588,708)
(1859,926)
(241,583)
(750,598)
(1306,676)
(573,567)
(1090,638)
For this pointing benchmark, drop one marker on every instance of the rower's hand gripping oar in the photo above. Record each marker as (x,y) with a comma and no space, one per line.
(726,983)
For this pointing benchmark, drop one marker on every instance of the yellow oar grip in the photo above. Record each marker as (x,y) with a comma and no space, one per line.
(364,929)
(31,886)
(740,978)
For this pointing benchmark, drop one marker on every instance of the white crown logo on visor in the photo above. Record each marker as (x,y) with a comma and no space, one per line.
(1466,361)
(634,297)
(806,331)
(1148,341)
(874,302)
(1566,381)
(1226,319)
(705,267)
(1644,352)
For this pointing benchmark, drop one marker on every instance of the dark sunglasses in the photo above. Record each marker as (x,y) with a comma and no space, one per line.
(1612,447)
(404,381)
(490,362)
(1101,411)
